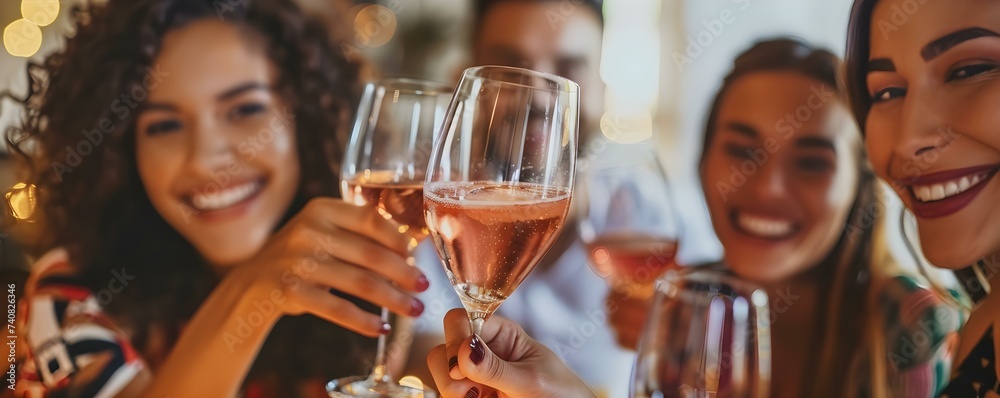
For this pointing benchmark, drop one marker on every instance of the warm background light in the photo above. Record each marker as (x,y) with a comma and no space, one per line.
(22,38)
(40,12)
(630,68)
(374,26)
(21,199)
(411,381)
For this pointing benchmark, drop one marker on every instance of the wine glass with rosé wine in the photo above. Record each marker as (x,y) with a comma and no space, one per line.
(629,222)
(383,171)
(500,180)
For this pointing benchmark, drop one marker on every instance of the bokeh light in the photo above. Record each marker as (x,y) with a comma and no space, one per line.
(411,381)
(22,38)
(21,200)
(374,26)
(40,12)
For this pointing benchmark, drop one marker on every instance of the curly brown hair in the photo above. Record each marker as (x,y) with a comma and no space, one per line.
(92,201)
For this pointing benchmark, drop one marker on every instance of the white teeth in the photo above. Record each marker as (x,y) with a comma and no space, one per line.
(224,198)
(950,188)
(937,192)
(764,227)
(922,192)
(934,192)
(964,184)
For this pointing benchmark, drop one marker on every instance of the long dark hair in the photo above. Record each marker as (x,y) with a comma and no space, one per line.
(95,205)
(856,59)
(845,272)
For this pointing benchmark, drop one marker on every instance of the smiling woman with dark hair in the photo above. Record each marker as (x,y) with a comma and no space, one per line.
(924,79)
(186,168)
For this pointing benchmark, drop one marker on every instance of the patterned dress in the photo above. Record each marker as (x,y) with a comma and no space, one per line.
(921,330)
(977,375)
(66,332)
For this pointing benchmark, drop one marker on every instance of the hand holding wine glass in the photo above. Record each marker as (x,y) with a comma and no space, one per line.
(383,172)
(504,359)
(500,180)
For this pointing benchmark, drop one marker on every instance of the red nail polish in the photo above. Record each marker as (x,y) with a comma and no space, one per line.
(385,329)
(478,350)
(416,308)
(423,284)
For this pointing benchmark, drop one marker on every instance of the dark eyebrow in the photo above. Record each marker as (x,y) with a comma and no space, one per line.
(815,142)
(881,65)
(946,42)
(157,106)
(242,88)
(741,129)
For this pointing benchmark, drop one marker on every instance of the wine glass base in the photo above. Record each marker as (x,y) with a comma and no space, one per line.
(361,387)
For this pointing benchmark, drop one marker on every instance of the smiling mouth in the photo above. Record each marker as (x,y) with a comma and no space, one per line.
(763,227)
(946,189)
(944,193)
(225,198)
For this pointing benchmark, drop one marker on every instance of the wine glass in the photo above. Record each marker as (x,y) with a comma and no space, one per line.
(707,335)
(383,171)
(500,180)
(628,222)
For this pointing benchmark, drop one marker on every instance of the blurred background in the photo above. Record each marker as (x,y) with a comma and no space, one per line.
(663,61)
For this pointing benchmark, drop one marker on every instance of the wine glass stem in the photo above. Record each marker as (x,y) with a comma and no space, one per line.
(381,371)
(477,325)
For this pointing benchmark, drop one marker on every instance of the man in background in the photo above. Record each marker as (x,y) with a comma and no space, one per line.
(562,302)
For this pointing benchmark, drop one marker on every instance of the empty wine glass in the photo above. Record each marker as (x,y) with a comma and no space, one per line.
(500,180)
(628,222)
(707,335)
(383,171)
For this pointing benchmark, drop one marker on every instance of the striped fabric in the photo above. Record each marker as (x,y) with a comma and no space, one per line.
(67,332)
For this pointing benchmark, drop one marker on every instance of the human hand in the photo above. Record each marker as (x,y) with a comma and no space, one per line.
(627,316)
(503,362)
(331,244)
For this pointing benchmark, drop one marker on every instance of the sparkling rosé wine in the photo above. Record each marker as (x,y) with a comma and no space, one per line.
(491,235)
(632,261)
(400,202)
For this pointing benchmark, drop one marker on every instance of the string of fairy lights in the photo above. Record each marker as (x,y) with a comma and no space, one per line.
(23,37)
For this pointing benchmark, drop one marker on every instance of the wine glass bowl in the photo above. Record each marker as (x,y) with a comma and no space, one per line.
(628,221)
(500,180)
(390,145)
(707,335)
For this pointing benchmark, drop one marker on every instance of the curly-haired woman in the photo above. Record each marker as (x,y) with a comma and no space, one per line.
(185,160)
